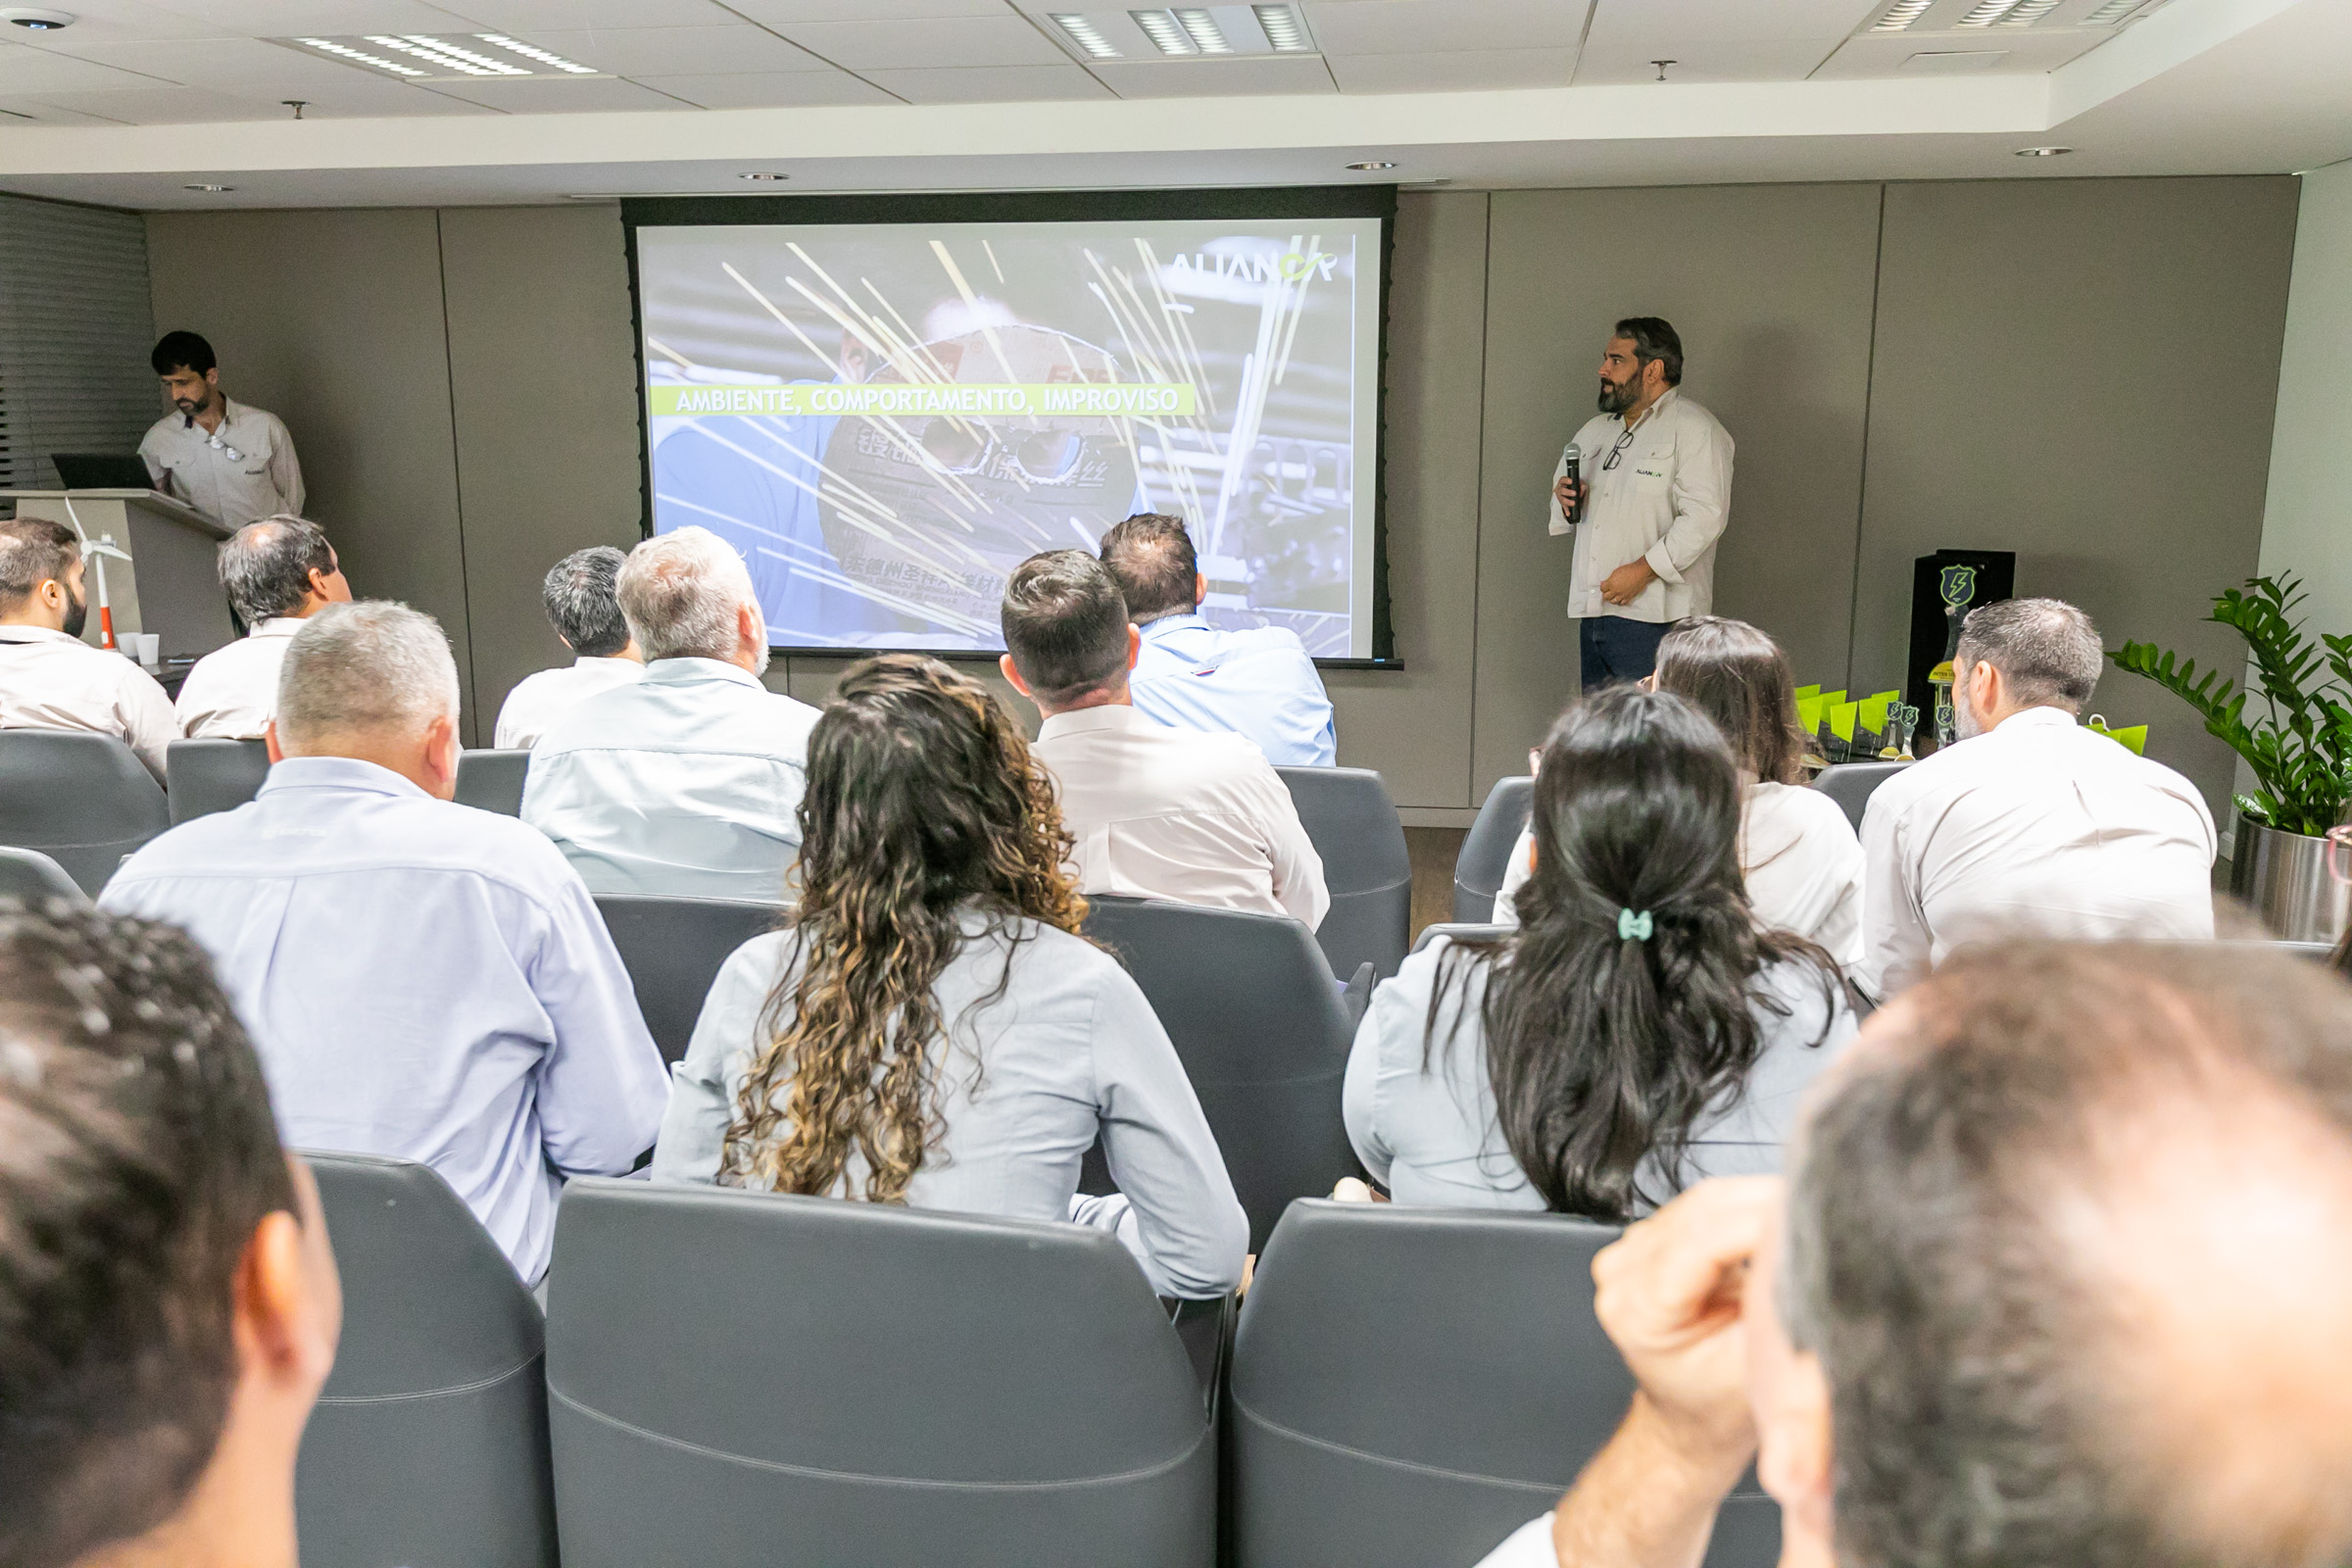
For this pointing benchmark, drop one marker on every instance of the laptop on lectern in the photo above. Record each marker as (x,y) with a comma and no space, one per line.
(101,470)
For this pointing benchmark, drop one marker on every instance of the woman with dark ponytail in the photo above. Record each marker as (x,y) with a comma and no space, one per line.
(1637,1032)
(929,1028)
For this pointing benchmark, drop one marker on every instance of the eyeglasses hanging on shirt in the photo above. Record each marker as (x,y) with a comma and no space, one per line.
(212,438)
(1616,452)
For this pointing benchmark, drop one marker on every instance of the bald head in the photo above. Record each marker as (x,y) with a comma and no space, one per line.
(2071,1240)
(278,566)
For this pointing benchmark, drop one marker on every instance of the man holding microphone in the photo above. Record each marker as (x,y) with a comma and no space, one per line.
(1651,492)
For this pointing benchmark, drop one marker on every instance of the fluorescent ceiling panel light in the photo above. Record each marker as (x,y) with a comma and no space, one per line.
(1166,33)
(2113,12)
(1987,13)
(2033,10)
(431,51)
(458,52)
(1203,29)
(1288,35)
(1085,34)
(1901,15)
(361,57)
(516,46)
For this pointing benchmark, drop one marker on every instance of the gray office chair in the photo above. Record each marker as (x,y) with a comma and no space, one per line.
(83,799)
(493,781)
(1412,1384)
(1486,852)
(1851,785)
(34,879)
(1250,1001)
(1353,825)
(674,949)
(1462,930)
(202,777)
(739,1378)
(429,1444)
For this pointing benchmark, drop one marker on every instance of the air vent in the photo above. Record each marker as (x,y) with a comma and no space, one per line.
(444,57)
(1901,15)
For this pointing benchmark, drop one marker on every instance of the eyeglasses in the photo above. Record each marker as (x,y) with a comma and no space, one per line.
(1045,456)
(223,448)
(1617,450)
(2339,853)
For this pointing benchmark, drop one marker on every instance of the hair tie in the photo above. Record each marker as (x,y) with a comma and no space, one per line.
(1633,927)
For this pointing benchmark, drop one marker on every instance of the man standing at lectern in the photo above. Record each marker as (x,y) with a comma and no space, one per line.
(233,462)
(1657,489)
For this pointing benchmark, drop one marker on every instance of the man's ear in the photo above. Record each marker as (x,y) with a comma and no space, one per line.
(270,741)
(1004,666)
(1796,1452)
(1135,644)
(747,624)
(442,748)
(1200,588)
(289,1297)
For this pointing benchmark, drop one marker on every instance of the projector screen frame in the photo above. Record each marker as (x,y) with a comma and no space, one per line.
(1255,202)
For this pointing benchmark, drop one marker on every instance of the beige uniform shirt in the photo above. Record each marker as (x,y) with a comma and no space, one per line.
(237,475)
(1663,496)
(49,680)
(231,693)
(1180,814)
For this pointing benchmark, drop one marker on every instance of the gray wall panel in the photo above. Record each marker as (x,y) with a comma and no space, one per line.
(1770,289)
(541,374)
(2086,372)
(334,321)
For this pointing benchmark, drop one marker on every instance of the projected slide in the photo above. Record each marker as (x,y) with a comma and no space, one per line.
(886,419)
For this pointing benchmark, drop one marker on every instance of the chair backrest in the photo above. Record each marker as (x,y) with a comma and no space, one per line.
(1461,930)
(83,799)
(738,1378)
(1250,1003)
(1851,784)
(429,1444)
(1348,815)
(1486,852)
(674,949)
(32,878)
(1412,1384)
(212,775)
(493,781)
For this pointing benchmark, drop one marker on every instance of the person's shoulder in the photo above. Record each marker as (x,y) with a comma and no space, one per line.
(1806,807)
(1798,995)
(1690,411)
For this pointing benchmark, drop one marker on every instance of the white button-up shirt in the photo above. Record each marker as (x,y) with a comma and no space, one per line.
(232,692)
(1258,682)
(1797,855)
(538,700)
(2037,825)
(1181,816)
(193,464)
(686,781)
(422,980)
(49,680)
(1665,501)
(1052,1045)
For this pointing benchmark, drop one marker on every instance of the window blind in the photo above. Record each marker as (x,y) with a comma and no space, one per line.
(76,322)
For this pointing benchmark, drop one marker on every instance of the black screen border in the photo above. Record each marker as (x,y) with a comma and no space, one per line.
(1037,207)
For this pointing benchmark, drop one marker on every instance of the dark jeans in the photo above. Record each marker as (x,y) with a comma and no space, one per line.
(1615,651)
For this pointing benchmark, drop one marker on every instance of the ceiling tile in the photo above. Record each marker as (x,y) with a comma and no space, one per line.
(1214,78)
(2023,50)
(243,66)
(1455,70)
(46,72)
(118,20)
(190,106)
(783,13)
(1702,61)
(1409,26)
(948,41)
(560,95)
(274,19)
(641,52)
(1639,23)
(525,16)
(769,90)
(33,112)
(986,84)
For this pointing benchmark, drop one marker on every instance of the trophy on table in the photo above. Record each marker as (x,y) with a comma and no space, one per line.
(1957,586)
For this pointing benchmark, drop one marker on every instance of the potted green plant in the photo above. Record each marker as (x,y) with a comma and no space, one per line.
(2300,746)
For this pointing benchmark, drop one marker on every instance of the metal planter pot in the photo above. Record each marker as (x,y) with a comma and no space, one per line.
(2283,878)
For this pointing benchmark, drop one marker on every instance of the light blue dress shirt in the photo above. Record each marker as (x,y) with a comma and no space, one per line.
(1430,1135)
(1259,683)
(687,782)
(1068,1051)
(422,979)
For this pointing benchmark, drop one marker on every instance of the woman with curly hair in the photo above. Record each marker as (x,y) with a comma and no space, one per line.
(929,1028)
(1638,1031)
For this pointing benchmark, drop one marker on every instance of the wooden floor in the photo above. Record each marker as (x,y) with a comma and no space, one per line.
(1432,850)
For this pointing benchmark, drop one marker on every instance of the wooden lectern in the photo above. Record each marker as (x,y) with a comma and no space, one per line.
(169,587)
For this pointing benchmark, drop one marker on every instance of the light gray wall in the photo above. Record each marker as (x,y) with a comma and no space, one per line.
(2079,369)
(2306,527)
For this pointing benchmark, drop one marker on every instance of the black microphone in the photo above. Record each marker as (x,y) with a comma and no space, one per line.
(1571,467)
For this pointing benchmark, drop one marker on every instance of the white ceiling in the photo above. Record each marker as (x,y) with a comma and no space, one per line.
(139,99)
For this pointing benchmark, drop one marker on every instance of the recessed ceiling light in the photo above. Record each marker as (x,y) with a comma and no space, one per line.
(2113,12)
(555,61)
(39,21)
(1901,15)
(210,190)
(2044,152)
(1987,13)
(1203,29)
(1375,164)
(764,176)
(1283,28)
(1166,33)
(2030,12)
(1083,33)
(344,51)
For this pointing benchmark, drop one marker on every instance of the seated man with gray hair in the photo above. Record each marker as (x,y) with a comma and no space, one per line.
(583,606)
(422,979)
(277,573)
(687,782)
(2031,822)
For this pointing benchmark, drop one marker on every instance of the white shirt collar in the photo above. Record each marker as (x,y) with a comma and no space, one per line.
(1086,720)
(40,634)
(2039,716)
(601,658)
(278,626)
(693,668)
